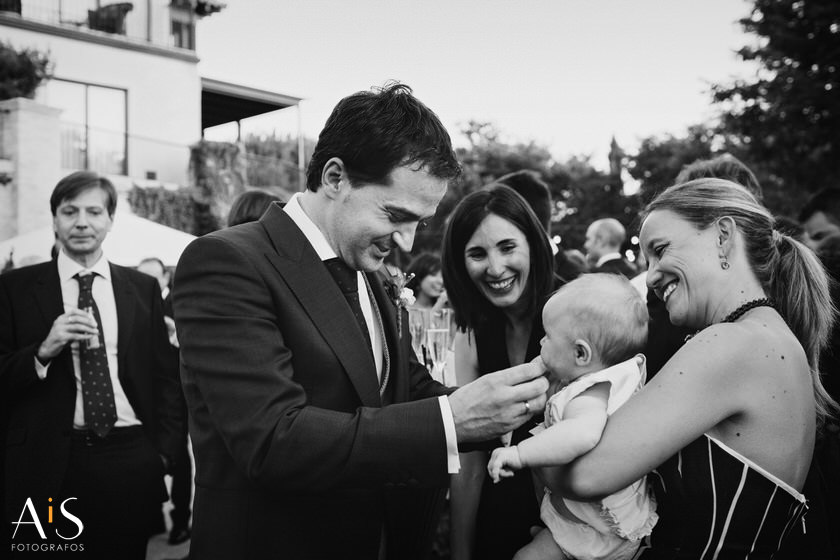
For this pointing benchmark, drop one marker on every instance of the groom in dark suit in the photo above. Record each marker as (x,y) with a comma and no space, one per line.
(94,407)
(317,434)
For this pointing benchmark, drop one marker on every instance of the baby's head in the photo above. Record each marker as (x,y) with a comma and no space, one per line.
(591,323)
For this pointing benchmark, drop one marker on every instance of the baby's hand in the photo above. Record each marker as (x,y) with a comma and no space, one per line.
(503,462)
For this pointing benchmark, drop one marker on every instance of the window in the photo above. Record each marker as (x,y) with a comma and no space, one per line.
(183,24)
(93,125)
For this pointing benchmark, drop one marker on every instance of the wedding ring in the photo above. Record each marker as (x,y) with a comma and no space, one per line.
(527,407)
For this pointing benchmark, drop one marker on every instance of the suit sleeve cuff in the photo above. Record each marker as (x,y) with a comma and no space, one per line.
(453,461)
(41,369)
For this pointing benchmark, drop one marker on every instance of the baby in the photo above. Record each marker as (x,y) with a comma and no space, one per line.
(594,329)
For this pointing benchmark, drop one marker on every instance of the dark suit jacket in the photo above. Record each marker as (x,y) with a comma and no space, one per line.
(295,457)
(41,411)
(616,266)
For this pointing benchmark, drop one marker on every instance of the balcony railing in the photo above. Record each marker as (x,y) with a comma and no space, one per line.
(153,21)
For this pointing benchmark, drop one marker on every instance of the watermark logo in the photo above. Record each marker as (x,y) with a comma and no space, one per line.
(29,524)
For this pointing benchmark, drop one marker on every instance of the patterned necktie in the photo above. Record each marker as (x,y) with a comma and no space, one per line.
(346,278)
(97,392)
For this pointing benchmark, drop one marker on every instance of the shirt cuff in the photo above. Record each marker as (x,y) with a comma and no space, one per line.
(41,369)
(453,460)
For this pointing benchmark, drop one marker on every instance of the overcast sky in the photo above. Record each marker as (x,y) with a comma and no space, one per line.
(567,74)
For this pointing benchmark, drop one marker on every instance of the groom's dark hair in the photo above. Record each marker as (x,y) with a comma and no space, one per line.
(372,132)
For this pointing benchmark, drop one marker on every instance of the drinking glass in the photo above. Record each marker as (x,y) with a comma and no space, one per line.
(93,341)
(437,345)
(418,321)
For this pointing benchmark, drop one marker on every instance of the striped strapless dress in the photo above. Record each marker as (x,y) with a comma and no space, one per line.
(715,504)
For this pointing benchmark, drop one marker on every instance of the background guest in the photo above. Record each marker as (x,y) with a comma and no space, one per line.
(820,217)
(427,283)
(498,270)
(95,407)
(604,239)
(250,206)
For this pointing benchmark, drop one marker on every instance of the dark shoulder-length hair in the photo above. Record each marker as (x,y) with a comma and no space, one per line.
(424,264)
(471,307)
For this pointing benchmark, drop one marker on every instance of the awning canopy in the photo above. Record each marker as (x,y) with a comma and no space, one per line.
(223,102)
(130,240)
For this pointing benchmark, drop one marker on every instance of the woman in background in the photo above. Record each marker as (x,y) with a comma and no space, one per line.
(427,282)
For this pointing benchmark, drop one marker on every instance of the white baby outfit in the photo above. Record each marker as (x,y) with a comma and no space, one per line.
(614,525)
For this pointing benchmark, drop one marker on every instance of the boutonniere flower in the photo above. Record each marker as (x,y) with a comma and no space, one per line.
(399,295)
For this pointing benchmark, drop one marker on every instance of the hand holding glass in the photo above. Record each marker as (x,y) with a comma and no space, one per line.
(93,341)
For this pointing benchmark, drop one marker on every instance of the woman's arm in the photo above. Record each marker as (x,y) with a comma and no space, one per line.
(697,389)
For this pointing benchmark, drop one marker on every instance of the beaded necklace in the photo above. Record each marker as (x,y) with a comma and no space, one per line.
(739,312)
(752,304)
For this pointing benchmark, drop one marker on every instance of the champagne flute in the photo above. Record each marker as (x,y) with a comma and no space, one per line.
(417,323)
(93,341)
(437,341)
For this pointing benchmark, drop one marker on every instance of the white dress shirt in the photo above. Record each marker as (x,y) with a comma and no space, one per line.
(103,295)
(322,248)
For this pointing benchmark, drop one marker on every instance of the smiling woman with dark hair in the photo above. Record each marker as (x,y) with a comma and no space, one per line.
(498,272)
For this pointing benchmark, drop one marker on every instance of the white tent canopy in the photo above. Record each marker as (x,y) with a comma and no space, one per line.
(131,240)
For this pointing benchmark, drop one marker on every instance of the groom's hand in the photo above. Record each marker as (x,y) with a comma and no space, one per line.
(496,403)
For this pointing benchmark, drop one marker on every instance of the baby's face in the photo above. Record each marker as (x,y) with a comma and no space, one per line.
(557,350)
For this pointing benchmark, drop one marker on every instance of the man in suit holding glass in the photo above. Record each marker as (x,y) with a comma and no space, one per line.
(92,387)
(316,431)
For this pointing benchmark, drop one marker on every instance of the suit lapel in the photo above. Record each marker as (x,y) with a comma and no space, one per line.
(321,298)
(47,293)
(125,300)
(50,303)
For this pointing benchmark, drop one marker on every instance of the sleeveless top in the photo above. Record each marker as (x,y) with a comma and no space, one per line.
(715,504)
(630,512)
(508,510)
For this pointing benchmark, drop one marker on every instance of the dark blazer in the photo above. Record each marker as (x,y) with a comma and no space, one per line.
(616,266)
(40,416)
(295,455)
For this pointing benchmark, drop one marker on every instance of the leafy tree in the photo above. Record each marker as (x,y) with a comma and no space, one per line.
(580,192)
(658,160)
(787,120)
(592,195)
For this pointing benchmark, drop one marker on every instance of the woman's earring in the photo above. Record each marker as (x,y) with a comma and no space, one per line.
(724,264)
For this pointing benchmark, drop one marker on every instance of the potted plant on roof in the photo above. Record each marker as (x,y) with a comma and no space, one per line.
(21,72)
(208,7)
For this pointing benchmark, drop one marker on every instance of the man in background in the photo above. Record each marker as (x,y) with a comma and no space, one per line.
(95,411)
(820,217)
(604,239)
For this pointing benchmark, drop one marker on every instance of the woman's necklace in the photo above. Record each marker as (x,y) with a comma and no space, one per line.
(752,304)
(738,313)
